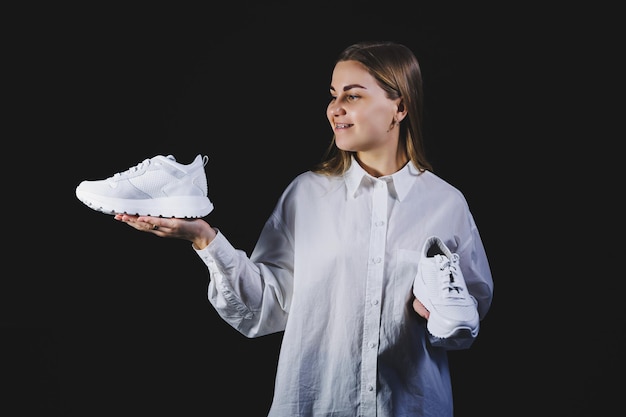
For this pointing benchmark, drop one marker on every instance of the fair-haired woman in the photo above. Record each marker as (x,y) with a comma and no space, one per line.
(335,264)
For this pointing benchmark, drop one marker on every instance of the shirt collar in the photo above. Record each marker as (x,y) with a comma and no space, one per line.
(399,182)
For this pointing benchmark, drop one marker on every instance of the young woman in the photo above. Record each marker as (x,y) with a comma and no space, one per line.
(335,264)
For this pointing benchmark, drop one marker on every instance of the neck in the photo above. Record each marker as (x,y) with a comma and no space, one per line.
(379,166)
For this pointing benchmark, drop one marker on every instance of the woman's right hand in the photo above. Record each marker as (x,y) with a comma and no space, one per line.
(196,231)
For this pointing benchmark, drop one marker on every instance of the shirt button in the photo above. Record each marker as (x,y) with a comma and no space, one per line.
(371,344)
(370,388)
(375,302)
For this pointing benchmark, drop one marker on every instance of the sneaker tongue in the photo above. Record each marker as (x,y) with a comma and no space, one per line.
(448,288)
(441,260)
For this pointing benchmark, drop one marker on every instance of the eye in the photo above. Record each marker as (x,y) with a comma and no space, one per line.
(346,98)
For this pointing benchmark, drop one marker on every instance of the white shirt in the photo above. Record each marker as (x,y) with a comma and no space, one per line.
(334,268)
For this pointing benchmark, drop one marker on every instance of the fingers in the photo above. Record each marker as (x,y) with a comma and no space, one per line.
(144,224)
(152,224)
(420,309)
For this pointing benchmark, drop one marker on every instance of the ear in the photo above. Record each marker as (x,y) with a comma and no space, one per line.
(401,111)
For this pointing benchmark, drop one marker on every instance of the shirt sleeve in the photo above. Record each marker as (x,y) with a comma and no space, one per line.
(476,269)
(251,295)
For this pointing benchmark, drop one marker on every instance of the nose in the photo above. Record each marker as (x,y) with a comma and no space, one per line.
(335,109)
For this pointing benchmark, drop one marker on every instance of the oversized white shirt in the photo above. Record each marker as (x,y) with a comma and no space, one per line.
(334,268)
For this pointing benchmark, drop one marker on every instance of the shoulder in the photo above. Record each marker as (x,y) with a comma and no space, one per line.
(305,192)
(435,187)
(308,187)
(434,181)
(310,180)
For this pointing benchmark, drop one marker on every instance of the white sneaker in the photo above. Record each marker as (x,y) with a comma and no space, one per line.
(158,186)
(440,286)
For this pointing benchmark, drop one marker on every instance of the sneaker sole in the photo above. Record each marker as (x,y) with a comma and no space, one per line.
(180,207)
(461,339)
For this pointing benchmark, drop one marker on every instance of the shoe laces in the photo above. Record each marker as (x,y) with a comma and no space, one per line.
(140,166)
(448,271)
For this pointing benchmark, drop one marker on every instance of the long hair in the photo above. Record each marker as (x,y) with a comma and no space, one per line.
(397,71)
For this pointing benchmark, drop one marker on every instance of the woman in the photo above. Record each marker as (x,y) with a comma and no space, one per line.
(335,263)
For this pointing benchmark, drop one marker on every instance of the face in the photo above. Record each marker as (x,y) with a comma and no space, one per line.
(359,112)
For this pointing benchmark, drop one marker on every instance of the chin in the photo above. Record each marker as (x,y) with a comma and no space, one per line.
(347,147)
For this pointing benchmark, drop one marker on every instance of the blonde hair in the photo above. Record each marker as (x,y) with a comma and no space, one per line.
(397,71)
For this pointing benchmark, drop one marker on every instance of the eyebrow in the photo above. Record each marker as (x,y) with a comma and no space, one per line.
(349,87)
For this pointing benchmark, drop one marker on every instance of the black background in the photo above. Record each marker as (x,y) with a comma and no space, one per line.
(98,319)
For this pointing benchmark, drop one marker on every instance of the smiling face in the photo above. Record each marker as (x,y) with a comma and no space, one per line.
(360,113)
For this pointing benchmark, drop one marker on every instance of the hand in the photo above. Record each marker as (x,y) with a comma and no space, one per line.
(197,231)
(420,309)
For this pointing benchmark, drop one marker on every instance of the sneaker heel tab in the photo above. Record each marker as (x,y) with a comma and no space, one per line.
(205,159)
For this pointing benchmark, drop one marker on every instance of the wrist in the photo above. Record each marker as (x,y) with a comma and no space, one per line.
(205,238)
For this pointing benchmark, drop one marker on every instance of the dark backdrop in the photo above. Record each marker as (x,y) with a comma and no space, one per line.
(98,319)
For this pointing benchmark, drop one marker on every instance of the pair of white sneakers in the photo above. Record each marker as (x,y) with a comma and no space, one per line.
(162,187)
(158,186)
(439,285)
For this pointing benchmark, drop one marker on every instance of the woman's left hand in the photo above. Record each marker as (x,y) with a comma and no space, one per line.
(420,309)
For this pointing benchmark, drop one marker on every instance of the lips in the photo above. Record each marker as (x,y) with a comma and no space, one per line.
(342,125)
